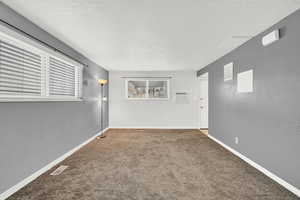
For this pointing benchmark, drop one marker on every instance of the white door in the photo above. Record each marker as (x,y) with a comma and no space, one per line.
(203,101)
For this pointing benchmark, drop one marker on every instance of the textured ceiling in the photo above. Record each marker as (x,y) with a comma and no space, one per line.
(154,34)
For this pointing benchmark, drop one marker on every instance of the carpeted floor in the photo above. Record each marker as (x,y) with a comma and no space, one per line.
(154,165)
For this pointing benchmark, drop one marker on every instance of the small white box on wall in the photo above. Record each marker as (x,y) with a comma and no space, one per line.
(270,38)
(183,98)
(228,72)
(245,81)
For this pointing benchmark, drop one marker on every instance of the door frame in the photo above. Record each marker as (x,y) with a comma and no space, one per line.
(204,76)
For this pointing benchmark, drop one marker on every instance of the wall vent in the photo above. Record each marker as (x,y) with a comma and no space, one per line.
(59,170)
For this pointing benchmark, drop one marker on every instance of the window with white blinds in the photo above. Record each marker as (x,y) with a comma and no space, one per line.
(27,72)
(61,78)
(20,71)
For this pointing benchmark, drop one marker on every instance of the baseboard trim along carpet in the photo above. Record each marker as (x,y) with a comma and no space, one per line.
(35,175)
(152,127)
(279,180)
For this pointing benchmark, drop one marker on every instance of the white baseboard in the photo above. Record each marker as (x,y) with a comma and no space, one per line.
(150,127)
(279,180)
(35,175)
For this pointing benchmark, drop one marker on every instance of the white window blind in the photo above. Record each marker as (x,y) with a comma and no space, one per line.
(20,71)
(30,72)
(61,78)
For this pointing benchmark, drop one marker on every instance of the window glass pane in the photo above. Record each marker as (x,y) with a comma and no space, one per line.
(158,89)
(137,89)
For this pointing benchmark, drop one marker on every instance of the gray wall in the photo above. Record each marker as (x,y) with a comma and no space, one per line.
(154,113)
(266,121)
(34,134)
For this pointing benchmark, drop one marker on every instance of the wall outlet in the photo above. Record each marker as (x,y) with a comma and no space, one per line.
(236,140)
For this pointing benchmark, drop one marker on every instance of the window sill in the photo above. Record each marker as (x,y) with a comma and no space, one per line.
(15,100)
(148,99)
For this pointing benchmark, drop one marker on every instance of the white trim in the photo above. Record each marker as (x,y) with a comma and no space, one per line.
(201,78)
(271,175)
(35,175)
(39,99)
(151,127)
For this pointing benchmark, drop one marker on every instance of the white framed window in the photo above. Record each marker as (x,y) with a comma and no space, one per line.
(29,73)
(147,89)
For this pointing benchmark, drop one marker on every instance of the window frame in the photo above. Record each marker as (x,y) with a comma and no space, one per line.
(147,98)
(12,37)
(62,97)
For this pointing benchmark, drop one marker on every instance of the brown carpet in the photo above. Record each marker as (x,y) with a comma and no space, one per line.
(154,165)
